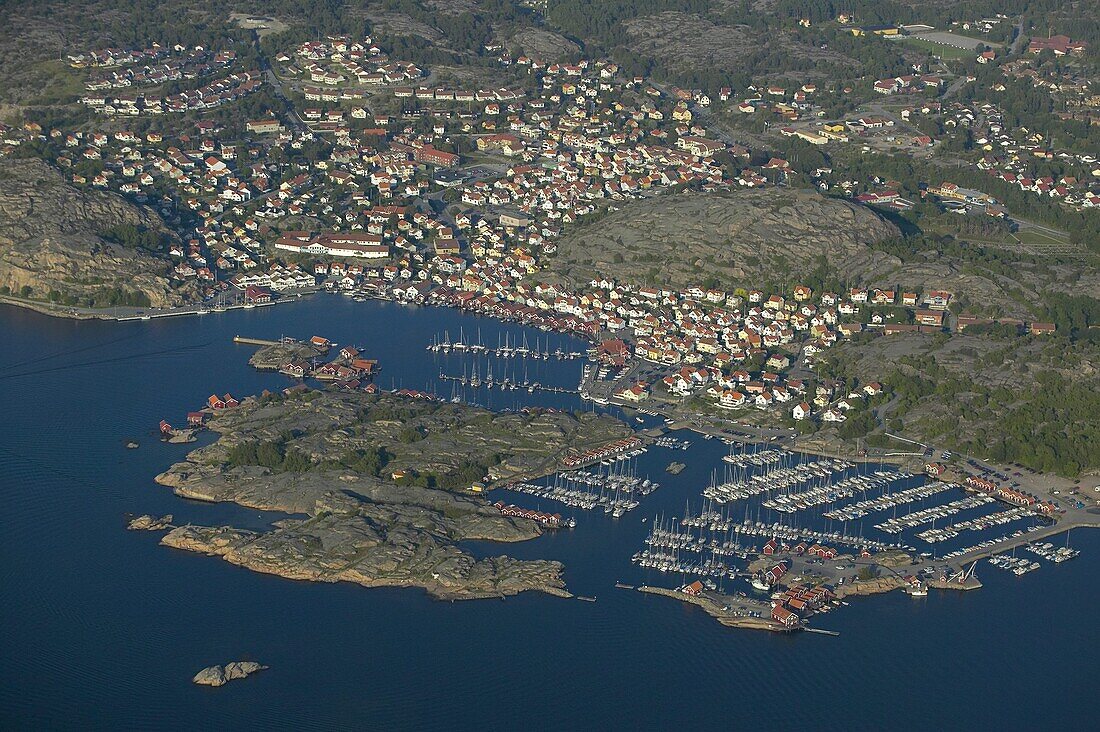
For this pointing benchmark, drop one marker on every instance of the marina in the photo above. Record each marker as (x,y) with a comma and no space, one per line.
(865,507)
(827,492)
(980,523)
(616,491)
(508,350)
(105,566)
(780,473)
(929,515)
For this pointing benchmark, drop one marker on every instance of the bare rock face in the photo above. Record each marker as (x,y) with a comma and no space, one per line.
(361,526)
(542,43)
(150,523)
(274,357)
(715,44)
(374,546)
(51,239)
(221,675)
(740,238)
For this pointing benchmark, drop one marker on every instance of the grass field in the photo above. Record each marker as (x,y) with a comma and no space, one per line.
(1027,240)
(948,53)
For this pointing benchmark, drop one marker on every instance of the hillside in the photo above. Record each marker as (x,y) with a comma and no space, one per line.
(1004,398)
(731,239)
(54,239)
(719,45)
(774,238)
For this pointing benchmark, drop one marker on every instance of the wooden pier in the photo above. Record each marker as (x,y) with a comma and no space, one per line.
(820,631)
(255,341)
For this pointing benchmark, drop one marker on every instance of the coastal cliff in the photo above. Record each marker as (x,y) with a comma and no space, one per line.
(64,247)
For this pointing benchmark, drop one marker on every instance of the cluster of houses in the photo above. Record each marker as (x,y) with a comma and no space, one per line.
(1015,155)
(798,603)
(193,64)
(909,84)
(348,369)
(107,57)
(573,161)
(588,138)
(222,91)
(1009,495)
(710,337)
(551,520)
(340,60)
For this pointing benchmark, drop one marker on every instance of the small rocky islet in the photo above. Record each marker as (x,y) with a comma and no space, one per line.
(222,675)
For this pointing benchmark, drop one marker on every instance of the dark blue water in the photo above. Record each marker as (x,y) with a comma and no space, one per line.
(102,628)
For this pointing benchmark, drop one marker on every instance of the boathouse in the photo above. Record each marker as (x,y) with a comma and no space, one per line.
(784,616)
(257,294)
(694,589)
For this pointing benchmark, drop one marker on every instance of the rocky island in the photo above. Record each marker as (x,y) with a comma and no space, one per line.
(381,487)
(222,675)
(272,357)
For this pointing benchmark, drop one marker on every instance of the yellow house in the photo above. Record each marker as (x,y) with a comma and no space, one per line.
(681,113)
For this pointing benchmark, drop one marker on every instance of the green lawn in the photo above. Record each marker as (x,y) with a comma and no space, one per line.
(948,53)
(1034,236)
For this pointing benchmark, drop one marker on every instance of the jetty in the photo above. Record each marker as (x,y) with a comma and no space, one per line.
(255,341)
(819,631)
(1078,519)
(735,612)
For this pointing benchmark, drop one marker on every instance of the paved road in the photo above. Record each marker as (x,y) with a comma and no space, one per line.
(1018,38)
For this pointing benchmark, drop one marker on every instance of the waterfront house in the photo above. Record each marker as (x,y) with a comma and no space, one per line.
(694,589)
(784,616)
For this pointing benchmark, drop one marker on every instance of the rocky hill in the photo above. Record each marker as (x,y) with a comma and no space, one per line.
(722,45)
(54,239)
(735,239)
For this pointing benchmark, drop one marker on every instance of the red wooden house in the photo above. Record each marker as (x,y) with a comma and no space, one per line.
(782,615)
(694,589)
